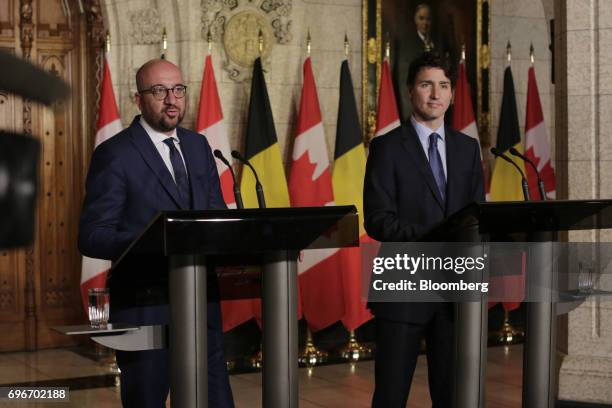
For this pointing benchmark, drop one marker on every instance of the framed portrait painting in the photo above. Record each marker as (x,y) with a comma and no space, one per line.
(403,29)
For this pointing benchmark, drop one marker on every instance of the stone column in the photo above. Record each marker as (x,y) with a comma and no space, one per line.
(583,33)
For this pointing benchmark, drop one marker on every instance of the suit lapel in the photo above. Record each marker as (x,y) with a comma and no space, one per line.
(415,150)
(151,156)
(451,167)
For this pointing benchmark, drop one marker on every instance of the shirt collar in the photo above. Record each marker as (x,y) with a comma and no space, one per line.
(157,137)
(423,131)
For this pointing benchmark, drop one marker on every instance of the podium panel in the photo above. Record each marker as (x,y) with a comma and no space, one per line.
(177,246)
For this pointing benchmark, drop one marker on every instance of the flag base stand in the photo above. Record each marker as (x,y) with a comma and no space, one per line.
(256,360)
(508,335)
(106,357)
(354,351)
(311,356)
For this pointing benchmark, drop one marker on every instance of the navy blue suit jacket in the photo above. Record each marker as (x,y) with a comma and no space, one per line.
(127,185)
(402,202)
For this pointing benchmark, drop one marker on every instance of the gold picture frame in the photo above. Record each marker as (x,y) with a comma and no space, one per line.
(478,59)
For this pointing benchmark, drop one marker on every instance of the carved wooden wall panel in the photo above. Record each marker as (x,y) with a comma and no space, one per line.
(12,262)
(53,21)
(58,282)
(39,285)
(7,19)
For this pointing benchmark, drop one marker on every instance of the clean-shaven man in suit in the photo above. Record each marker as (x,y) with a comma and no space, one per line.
(152,165)
(417,175)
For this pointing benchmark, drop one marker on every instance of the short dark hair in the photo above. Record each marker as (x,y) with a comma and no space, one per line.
(430,59)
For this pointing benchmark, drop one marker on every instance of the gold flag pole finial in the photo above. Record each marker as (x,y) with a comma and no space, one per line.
(509,52)
(463,53)
(260,39)
(531,54)
(308,42)
(387,46)
(346,45)
(209,40)
(164,43)
(107,42)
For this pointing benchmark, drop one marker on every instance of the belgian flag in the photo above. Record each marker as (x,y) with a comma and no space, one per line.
(262,149)
(506,181)
(347,180)
(506,186)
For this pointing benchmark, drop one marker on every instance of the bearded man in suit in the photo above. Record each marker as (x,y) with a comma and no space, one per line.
(416,176)
(151,166)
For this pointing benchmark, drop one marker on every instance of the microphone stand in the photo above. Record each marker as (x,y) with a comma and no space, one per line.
(516,153)
(261,201)
(237,194)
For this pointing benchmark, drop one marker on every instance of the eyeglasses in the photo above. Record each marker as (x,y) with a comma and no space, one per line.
(160,92)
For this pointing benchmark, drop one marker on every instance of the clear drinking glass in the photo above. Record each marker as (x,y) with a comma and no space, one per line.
(99,302)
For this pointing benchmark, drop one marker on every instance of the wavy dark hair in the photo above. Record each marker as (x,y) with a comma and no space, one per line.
(430,60)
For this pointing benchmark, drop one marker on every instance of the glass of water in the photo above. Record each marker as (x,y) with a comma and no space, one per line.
(98,302)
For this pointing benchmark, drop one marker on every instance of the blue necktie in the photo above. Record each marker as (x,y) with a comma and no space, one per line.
(180,174)
(436,164)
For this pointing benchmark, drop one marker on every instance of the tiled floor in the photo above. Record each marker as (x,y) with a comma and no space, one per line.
(340,385)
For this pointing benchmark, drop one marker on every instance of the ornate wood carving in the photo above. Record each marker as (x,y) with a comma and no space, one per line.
(27,38)
(95,23)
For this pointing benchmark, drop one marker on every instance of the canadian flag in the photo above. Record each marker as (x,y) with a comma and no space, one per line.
(210,124)
(93,271)
(387,116)
(464,119)
(310,184)
(537,147)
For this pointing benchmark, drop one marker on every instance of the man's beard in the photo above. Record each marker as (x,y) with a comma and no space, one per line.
(162,123)
(164,126)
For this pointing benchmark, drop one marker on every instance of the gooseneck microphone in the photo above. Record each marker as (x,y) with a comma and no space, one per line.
(516,153)
(237,195)
(258,188)
(524,184)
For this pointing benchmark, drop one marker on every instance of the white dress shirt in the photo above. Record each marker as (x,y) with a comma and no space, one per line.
(423,133)
(164,151)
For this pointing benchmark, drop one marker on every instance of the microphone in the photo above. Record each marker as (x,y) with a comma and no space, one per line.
(237,195)
(524,184)
(515,152)
(258,188)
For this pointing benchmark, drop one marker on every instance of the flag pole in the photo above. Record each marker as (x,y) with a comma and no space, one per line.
(308,42)
(531,55)
(209,41)
(164,43)
(346,45)
(107,42)
(463,52)
(509,52)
